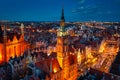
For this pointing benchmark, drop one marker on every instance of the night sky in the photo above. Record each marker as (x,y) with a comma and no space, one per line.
(50,10)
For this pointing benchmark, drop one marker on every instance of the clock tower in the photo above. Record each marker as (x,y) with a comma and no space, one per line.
(62,41)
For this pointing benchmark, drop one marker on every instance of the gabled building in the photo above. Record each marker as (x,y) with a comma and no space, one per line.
(11,44)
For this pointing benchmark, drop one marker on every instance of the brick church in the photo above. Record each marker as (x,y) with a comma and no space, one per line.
(11,44)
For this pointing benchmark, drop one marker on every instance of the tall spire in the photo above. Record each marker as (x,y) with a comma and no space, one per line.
(22,29)
(62,17)
(62,24)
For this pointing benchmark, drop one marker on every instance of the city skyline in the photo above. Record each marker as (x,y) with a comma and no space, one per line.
(46,10)
(60,51)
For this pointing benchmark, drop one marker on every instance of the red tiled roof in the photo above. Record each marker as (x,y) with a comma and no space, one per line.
(80,45)
(45,65)
(71,49)
(52,44)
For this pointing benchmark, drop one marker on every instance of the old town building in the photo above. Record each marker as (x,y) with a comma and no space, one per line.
(64,66)
(11,44)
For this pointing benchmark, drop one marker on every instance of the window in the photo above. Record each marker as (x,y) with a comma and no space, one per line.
(15,50)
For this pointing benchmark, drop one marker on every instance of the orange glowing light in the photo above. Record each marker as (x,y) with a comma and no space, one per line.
(101,50)
(55,70)
(94,60)
(89,55)
(0,57)
(33,30)
(102,46)
(15,48)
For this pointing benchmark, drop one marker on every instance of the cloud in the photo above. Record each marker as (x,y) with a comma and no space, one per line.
(86,9)
(81,8)
(81,1)
(74,11)
(98,9)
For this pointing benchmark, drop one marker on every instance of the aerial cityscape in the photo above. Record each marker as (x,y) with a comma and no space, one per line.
(60,40)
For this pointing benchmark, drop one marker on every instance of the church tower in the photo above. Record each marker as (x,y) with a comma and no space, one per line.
(62,41)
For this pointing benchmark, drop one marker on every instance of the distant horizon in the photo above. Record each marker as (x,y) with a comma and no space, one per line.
(50,10)
(54,21)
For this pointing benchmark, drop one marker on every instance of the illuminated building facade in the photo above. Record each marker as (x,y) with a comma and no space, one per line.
(11,44)
(67,61)
(64,65)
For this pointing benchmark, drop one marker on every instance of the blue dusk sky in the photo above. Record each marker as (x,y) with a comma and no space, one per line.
(50,10)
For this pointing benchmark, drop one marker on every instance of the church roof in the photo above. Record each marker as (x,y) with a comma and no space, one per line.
(10,36)
(46,64)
